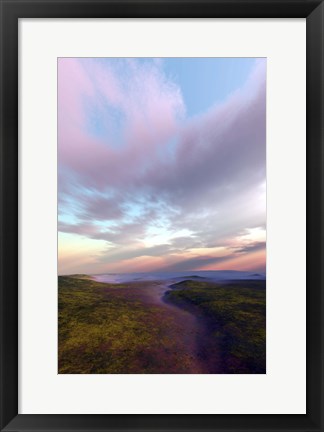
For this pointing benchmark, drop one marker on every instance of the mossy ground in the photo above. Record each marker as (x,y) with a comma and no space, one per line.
(105,328)
(235,316)
(120,329)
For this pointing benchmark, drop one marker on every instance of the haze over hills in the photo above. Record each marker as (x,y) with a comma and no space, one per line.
(208,275)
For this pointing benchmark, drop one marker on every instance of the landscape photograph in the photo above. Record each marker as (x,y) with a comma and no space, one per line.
(161,215)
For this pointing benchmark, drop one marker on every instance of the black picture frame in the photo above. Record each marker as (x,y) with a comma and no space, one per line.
(11,11)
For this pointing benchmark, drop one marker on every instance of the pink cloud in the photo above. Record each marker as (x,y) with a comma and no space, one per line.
(150,105)
(218,153)
(209,185)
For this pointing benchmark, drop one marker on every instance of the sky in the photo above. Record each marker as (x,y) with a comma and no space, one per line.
(161,164)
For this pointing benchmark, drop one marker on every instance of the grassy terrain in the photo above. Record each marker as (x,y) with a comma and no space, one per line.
(106,328)
(235,315)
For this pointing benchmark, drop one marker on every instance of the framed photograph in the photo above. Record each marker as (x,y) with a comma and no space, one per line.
(161,215)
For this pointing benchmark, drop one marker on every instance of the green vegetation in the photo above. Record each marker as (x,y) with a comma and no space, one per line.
(235,315)
(105,328)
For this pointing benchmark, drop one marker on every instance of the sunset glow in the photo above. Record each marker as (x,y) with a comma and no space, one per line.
(161,164)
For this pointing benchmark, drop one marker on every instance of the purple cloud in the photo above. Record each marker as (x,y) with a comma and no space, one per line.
(205,175)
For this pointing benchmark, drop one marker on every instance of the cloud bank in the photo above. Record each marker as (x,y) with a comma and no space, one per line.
(154,188)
